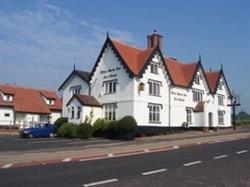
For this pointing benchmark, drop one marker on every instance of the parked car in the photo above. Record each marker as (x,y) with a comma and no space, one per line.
(38,130)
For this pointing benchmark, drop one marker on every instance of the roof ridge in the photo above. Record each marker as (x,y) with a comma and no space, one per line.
(128,45)
(25,87)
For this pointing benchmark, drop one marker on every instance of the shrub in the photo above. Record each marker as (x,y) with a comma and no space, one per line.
(101,126)
(84,131)
(58,123)
(127,124)
(67,130)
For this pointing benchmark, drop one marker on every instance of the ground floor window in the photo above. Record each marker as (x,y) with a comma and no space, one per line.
(154,113)
(78,112)
(189,115)
(110,111)
(7,115)
(221,117)
(72,112)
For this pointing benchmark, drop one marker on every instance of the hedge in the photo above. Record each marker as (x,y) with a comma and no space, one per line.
(58,123)
(67,130)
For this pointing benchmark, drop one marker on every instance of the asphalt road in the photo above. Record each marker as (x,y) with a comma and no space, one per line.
(15,143)
(221,164)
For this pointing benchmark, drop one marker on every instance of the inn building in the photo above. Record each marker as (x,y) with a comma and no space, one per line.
(156,89)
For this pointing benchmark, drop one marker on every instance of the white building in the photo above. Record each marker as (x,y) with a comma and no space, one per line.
(22,106)
(157,90)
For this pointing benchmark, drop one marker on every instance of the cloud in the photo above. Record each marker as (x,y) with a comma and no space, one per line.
(38,46)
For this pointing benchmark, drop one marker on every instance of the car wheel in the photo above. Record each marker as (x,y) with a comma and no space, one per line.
(31,136)
(51,135)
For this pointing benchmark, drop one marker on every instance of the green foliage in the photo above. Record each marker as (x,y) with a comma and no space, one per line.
(84,131)
(67,130)
(127,124)
(101,126)
(88,118)
(58,123)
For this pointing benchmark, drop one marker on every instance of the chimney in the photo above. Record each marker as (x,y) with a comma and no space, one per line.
(154,40)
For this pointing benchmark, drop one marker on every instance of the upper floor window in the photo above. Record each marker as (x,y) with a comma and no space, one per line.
(221,100)
(110,86)
(110,111)
(154,68)
(8,97)
(221,117)
(154,87)
(220,85)
(197,95)
(51,102)
(197,79)
(75,90)
(154,113)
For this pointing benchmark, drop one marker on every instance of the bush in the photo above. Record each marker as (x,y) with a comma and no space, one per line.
(84,131)
(124,128)
(68,130)
(101,126)
(58,123)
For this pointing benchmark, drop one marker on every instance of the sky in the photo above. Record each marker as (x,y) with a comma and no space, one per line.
(41,40)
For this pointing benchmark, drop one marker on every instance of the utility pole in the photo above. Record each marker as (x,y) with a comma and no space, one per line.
(234,104)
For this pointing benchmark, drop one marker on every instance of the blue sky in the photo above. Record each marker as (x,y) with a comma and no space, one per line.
(41,40)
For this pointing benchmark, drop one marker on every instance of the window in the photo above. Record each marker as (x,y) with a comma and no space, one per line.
(8,98)
(154,68)
(72,112)
(197,96)
(197,79)
(78,112)
(189,115)
(51,102)
(221,100)
(75,90)
(154,87)
(154,113)
(110,111)
(7,115)
(220,85)
(110,86)
(221,117)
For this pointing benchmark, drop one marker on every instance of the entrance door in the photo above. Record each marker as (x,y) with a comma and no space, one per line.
(210,119)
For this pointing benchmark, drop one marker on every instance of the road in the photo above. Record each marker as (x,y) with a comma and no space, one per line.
(220,164)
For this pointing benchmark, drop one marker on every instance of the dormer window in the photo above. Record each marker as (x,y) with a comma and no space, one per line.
(8,97)
(154,68)
(51,102)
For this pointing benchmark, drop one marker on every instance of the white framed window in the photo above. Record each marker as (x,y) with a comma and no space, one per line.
(197,95)
(154,112)
(8,98)
(110,86)
(221,117)
(110,111)
(78,114)
(72,112)
(154,68)
(76,90)
(221,100)
(154,87)
(220,85)
(51,102)
(189,115)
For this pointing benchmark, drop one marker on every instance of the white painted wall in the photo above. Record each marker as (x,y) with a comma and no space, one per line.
(6,120)
(54,116)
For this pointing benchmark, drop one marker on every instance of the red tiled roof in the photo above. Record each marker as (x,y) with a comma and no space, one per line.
(30,100)
(213,78)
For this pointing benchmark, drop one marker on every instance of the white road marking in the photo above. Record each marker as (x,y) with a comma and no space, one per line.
(100,182)
(7,166)
(241,152)
(67,159)
(198,143)
(220,157)
(146,150)
(110,155)
(176,147)
(192,163)
(154,171)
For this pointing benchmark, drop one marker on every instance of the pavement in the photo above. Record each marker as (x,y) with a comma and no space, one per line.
(224,163)
(104,149)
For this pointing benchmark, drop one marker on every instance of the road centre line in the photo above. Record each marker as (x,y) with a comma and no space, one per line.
(192,163)
(100,182)
(154,171)
(220,157)
(241,152)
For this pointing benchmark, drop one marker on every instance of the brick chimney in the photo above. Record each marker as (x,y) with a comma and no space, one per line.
(154,40)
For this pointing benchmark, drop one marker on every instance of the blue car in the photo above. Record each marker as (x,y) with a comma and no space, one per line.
(37,131)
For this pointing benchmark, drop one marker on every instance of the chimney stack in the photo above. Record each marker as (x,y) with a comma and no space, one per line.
(154,40)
